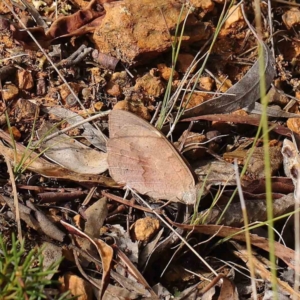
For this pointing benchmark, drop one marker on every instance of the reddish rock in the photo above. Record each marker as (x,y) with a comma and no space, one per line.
(137,108)
(293,124)
(66,96)
(10,92)
(144,229)
(235,19)
(206,83)
(150,84)
(165,72)
(192,100)
(25,80)
(25,109)
(113,89)
(136,31)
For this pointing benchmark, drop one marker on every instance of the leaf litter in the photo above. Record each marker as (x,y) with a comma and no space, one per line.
(118,55)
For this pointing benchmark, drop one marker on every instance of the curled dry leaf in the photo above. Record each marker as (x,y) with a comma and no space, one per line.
(149,248)
(261,269)
(256,162)
(243,93)
(41,166)
(70,153)
(25,213)
(251,120)
(66,25)
(106,254)
(35,219)
(104,251)
(96,215)
(129,284)
(129,290)
(271,111)
(46,225)
(134,271)
(79,23)
(168,242)
(215,172)
(233,215)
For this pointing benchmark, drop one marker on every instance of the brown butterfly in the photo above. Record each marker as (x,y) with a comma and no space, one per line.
(140,157)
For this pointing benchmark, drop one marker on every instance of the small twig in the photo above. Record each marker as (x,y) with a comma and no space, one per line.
(75,57)
(100,115)
(14,188)
(247,234)
(208,141)
(127,71)
(129,203)
(297,230)
(185,136)
(89,196)
(156,112)
(271,26)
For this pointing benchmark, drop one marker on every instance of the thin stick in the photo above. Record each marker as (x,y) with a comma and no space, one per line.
(14,188)
(55,134)
(297,230)
(247,235)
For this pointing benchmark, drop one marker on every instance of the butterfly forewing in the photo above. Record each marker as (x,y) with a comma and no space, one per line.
(140,157)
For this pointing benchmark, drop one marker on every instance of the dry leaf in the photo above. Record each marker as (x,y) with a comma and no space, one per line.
(242,94)
(39,165)
(52,254)
(94,136)
(95,215)
(106,254)
(282,252)
(71,154)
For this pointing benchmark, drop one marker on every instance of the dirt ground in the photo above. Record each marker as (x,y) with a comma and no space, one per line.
(142,211)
